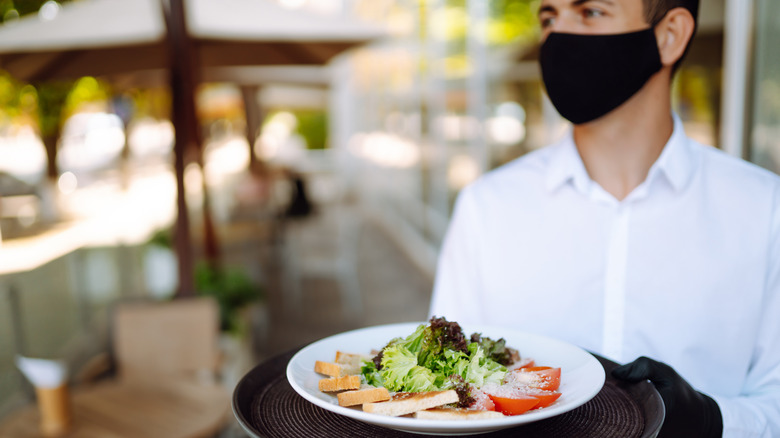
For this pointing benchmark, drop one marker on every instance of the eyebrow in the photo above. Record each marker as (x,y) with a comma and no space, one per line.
(580,2)
(548,8)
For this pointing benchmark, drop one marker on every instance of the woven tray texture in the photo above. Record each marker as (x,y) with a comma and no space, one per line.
(278,411)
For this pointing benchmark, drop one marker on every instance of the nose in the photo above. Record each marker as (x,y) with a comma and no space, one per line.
(557,24)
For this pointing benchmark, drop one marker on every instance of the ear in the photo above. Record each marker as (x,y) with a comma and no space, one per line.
(673,33)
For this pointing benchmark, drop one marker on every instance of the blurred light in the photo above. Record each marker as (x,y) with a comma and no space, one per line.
(276,134)
(462,170)
(507,127)
(219,101)
(505,130)
(49,10)
(90,141)
(160,267)
(292,4)
(449,22)
(23,154)
(150,137)
(27,214)
(453,127)
(225,158)
(385,149)
(401,22)
(67,183)
(193,185)
(511,109)
(285,120)
(326,7)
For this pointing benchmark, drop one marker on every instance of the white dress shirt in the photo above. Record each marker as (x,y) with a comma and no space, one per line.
(685,270)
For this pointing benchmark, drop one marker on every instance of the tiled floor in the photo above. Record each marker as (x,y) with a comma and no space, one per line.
(391,287)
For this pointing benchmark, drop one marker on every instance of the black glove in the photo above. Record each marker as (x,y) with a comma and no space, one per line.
(689,413)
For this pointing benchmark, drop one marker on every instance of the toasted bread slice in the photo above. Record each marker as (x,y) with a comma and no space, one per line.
(350,362)
(456,414)
(334,369)
(334,384)
(350,358)
(361,396)
(403,403)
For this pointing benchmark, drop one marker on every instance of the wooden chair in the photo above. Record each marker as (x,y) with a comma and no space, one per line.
(166,357)
(176,339)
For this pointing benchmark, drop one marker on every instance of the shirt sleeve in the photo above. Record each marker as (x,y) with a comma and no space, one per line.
(756,413)
(457,283)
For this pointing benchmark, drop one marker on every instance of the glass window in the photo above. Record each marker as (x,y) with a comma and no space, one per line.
(765,128)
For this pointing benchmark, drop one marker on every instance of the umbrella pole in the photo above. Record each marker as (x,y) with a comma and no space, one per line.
(182,83)
(253,117)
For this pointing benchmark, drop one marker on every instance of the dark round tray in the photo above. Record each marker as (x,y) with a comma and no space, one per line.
(266,406)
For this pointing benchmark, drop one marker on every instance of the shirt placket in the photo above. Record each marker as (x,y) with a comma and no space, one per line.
(615,284)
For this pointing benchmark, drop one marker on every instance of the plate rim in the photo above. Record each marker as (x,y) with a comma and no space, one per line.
(450,426)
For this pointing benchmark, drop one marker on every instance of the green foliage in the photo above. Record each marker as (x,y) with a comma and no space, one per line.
(509,22)
(313,127)
(10,107)
(49,102)
(15,8)
(85,91)
(50,98)
(513,21)
(231,288)
(152,102)
(162,238)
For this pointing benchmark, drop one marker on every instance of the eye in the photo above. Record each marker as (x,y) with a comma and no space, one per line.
(592,13)
(547,21)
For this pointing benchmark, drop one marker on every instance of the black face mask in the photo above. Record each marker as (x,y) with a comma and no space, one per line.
(587,76)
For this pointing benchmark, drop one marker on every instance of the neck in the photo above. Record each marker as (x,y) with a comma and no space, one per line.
(619,148)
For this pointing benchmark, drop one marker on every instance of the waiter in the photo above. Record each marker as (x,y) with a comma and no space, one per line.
(627,237)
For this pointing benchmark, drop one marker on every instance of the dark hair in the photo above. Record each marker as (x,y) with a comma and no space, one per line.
(655,10)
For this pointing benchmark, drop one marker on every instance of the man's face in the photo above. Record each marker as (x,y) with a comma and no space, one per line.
(591,16)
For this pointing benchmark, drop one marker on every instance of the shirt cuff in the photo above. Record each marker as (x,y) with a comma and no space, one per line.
(740,419)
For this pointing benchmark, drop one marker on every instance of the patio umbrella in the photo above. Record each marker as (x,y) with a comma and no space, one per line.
(104,37)
(112,37)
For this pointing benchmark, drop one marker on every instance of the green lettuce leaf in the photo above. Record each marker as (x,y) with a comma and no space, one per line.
(421,379)
(371,375)
(481,369)
(397,363)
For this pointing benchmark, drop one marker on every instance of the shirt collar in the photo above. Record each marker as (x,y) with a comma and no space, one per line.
(566,165)
(676,162)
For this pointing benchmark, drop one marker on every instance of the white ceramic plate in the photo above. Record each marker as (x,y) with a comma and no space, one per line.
(581,376)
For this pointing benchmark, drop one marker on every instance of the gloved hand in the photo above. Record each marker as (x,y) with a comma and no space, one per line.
(689,413)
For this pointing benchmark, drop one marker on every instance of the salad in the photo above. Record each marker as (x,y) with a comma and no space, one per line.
(486,374)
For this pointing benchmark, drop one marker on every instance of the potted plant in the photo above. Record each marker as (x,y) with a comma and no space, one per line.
(233,290)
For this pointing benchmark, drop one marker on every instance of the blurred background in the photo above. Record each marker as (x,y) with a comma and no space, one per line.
(295,161)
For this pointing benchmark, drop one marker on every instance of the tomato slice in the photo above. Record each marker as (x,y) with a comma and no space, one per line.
(522,363)
(482,401)
(528,364)
(546,398)
(515,404)
(546,378)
